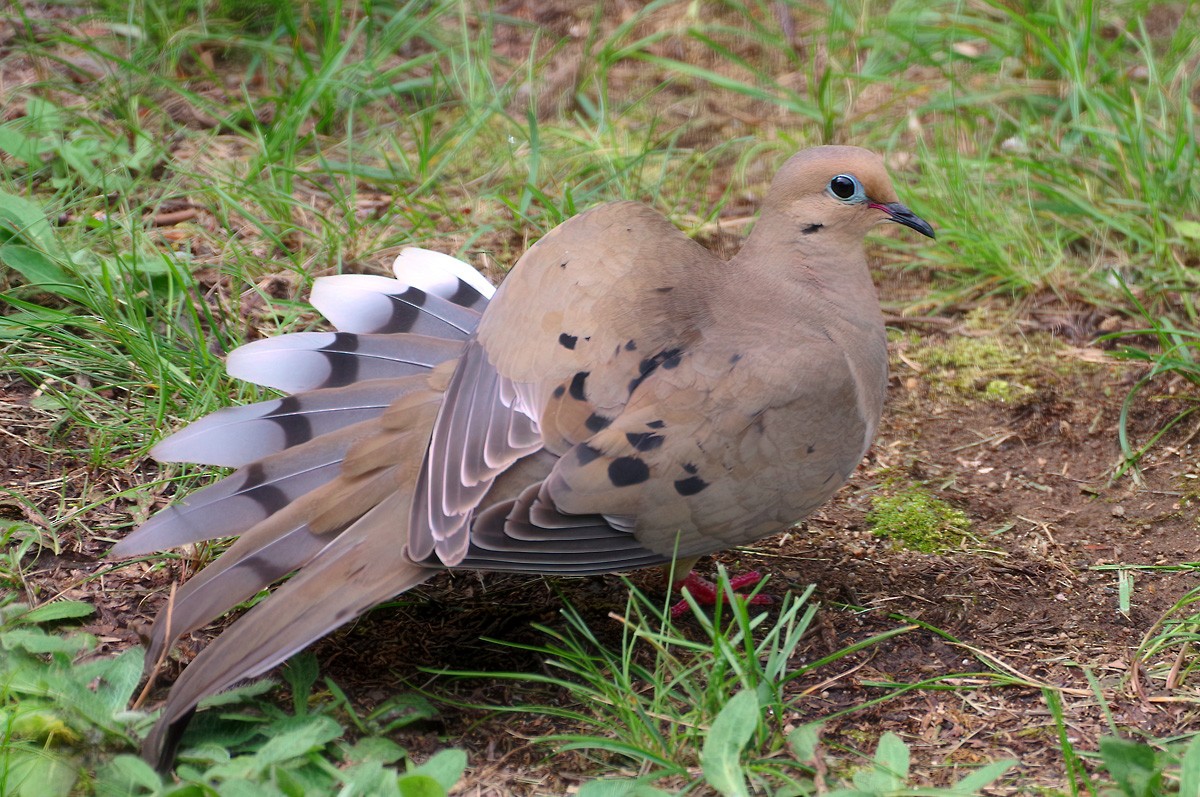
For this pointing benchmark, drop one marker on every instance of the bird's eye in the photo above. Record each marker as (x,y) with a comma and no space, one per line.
(844,187)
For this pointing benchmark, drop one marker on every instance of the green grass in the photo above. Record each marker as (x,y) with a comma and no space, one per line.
(1052,144)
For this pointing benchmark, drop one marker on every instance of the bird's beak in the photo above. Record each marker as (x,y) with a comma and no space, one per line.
(902,215)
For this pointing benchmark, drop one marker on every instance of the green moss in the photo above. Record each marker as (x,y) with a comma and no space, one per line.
(1002,390)
(992,368)
(914,519)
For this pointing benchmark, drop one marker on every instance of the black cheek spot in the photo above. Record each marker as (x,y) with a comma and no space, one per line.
(690,486)
(597,422)
(810,229)
(656,424)
(559,391)
(627,471)
(563,264)
(691,468)
(644,441)
(577,385)
(567,341)
(810,449)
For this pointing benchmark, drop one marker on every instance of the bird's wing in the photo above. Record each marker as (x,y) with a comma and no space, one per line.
(585,317)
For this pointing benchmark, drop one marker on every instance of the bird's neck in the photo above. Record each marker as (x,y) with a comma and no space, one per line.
(785,261)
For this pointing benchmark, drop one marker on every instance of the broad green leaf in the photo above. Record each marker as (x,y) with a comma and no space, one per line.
(414,785)
(804,741)
(38,773)
(118,678)
(312,735)
(720,759)
(1189,770)
(34,640)
(445,767)
(402,710)
(125,775)
(1133,765)
(39,269)
(24,221)
(301,673)
(375,749)
(1187,228)
(20,146)
(59,610)
(248,788)
(889,770)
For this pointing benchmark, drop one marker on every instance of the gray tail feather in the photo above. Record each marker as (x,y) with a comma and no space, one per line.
(363,566)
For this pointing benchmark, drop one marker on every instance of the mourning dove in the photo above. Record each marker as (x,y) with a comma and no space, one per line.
(625,398)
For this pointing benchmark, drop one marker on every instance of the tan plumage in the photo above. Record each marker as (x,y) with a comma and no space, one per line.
(626,397)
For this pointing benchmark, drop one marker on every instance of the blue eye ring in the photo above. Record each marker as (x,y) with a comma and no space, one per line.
(846,188)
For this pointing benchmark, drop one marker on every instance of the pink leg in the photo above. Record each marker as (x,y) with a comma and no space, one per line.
(707,593)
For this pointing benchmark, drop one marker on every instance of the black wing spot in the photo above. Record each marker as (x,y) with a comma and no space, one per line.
(656,424)
(631,345)
(810,229)
(644,441)
(597,422)
(577,385)
(627,471)
(559,391)
(690,486)
(585,454)
(567,341)
(691,468)
(810,449)
(734,359)
(668,358)
(665,289)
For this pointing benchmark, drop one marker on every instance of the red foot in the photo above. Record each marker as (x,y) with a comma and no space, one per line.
(707,593)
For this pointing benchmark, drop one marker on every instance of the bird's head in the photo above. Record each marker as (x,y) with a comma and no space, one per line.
(837,188)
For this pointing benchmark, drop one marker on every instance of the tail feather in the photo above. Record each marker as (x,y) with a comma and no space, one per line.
(236,436)
(369,304)
(325,481)
(303,361)
(364,566)
(444,276)
(270,550)
(228,581)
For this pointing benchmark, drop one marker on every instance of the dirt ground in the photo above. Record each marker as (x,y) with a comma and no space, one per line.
(1023,595)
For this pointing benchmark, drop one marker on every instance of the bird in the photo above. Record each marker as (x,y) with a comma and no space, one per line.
(624,399)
